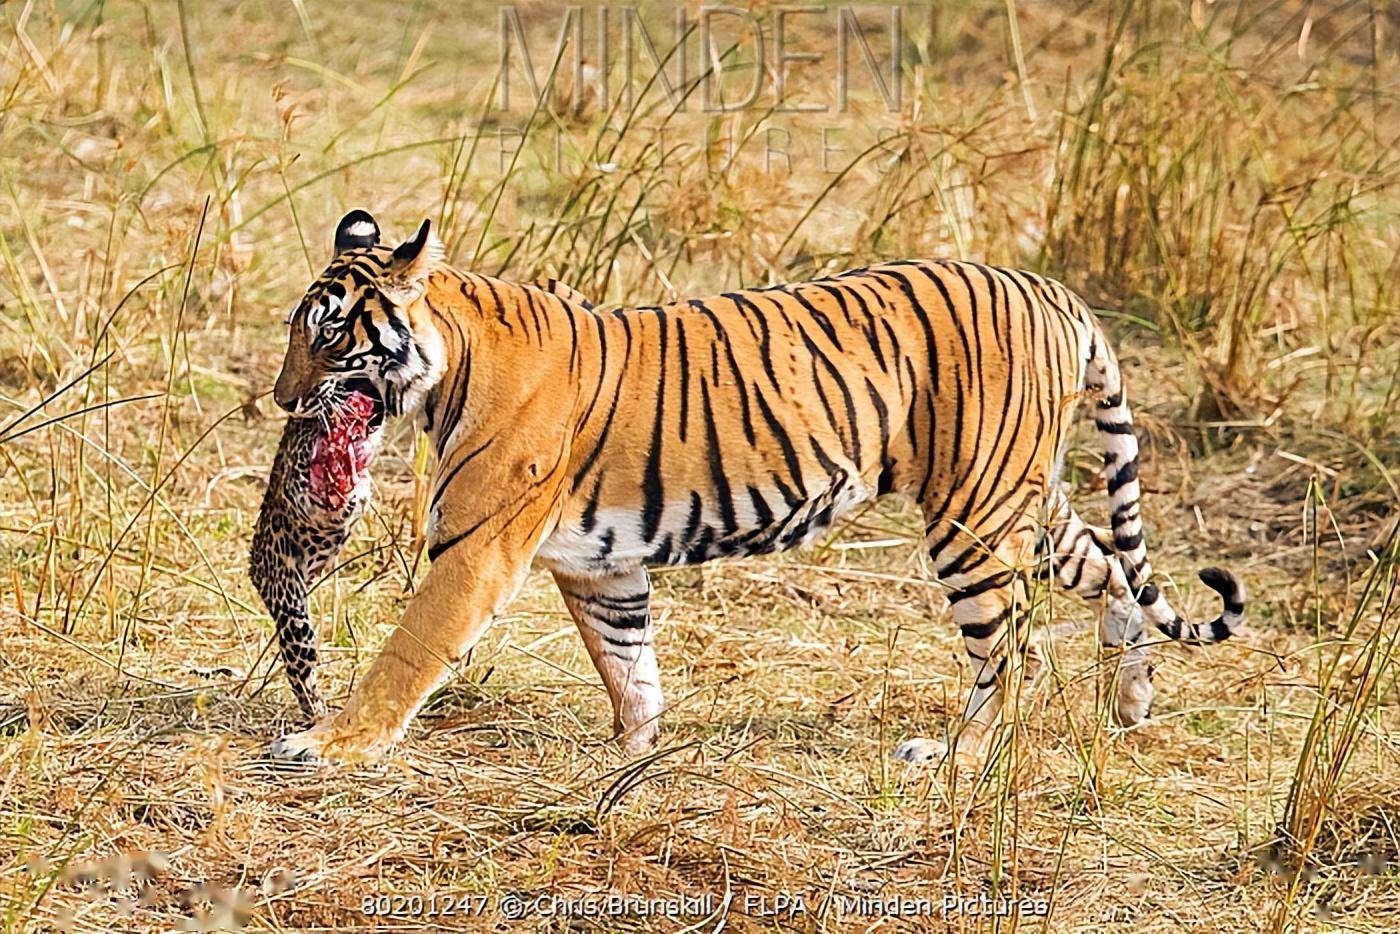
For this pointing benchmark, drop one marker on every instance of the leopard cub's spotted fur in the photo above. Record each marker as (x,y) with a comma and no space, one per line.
(294,540)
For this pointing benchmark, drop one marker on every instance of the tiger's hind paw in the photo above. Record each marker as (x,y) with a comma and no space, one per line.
(921,751)
(966,751)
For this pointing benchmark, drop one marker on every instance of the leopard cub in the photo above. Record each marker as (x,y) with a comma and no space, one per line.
(318,486)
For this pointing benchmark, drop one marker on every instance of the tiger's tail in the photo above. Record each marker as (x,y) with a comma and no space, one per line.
(1104,382)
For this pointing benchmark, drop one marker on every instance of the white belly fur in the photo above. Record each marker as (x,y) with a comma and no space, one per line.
(615,544)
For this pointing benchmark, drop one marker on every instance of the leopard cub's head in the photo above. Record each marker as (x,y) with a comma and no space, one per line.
(361,327)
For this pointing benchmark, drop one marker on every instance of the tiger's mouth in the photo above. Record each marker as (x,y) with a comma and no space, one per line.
(346,446)
(362,389)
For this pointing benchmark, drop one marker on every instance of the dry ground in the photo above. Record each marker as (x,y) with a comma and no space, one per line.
(1220,178)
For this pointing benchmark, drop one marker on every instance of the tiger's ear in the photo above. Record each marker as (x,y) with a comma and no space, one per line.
(412,261)
(356,229)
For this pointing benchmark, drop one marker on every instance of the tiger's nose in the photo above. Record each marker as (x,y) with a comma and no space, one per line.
(294,380)
(298,406)
(286,395)
(295,407)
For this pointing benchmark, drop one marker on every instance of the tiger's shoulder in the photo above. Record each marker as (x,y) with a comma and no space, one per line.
(449,285)
(560,289)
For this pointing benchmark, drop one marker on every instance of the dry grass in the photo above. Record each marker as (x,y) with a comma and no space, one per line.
(1220,177)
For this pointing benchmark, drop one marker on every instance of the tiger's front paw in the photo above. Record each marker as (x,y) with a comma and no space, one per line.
(326,742)
(305,746)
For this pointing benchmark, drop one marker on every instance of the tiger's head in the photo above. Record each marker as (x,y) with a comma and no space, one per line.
(361,327)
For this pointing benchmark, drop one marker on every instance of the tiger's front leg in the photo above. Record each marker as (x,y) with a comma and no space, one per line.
(613,614)
(473,576)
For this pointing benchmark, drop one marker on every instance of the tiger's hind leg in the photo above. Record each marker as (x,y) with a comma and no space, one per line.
(614,617)
(989,604)
(1084,562)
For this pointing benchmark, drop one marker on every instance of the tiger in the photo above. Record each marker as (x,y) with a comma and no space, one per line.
(598,443)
